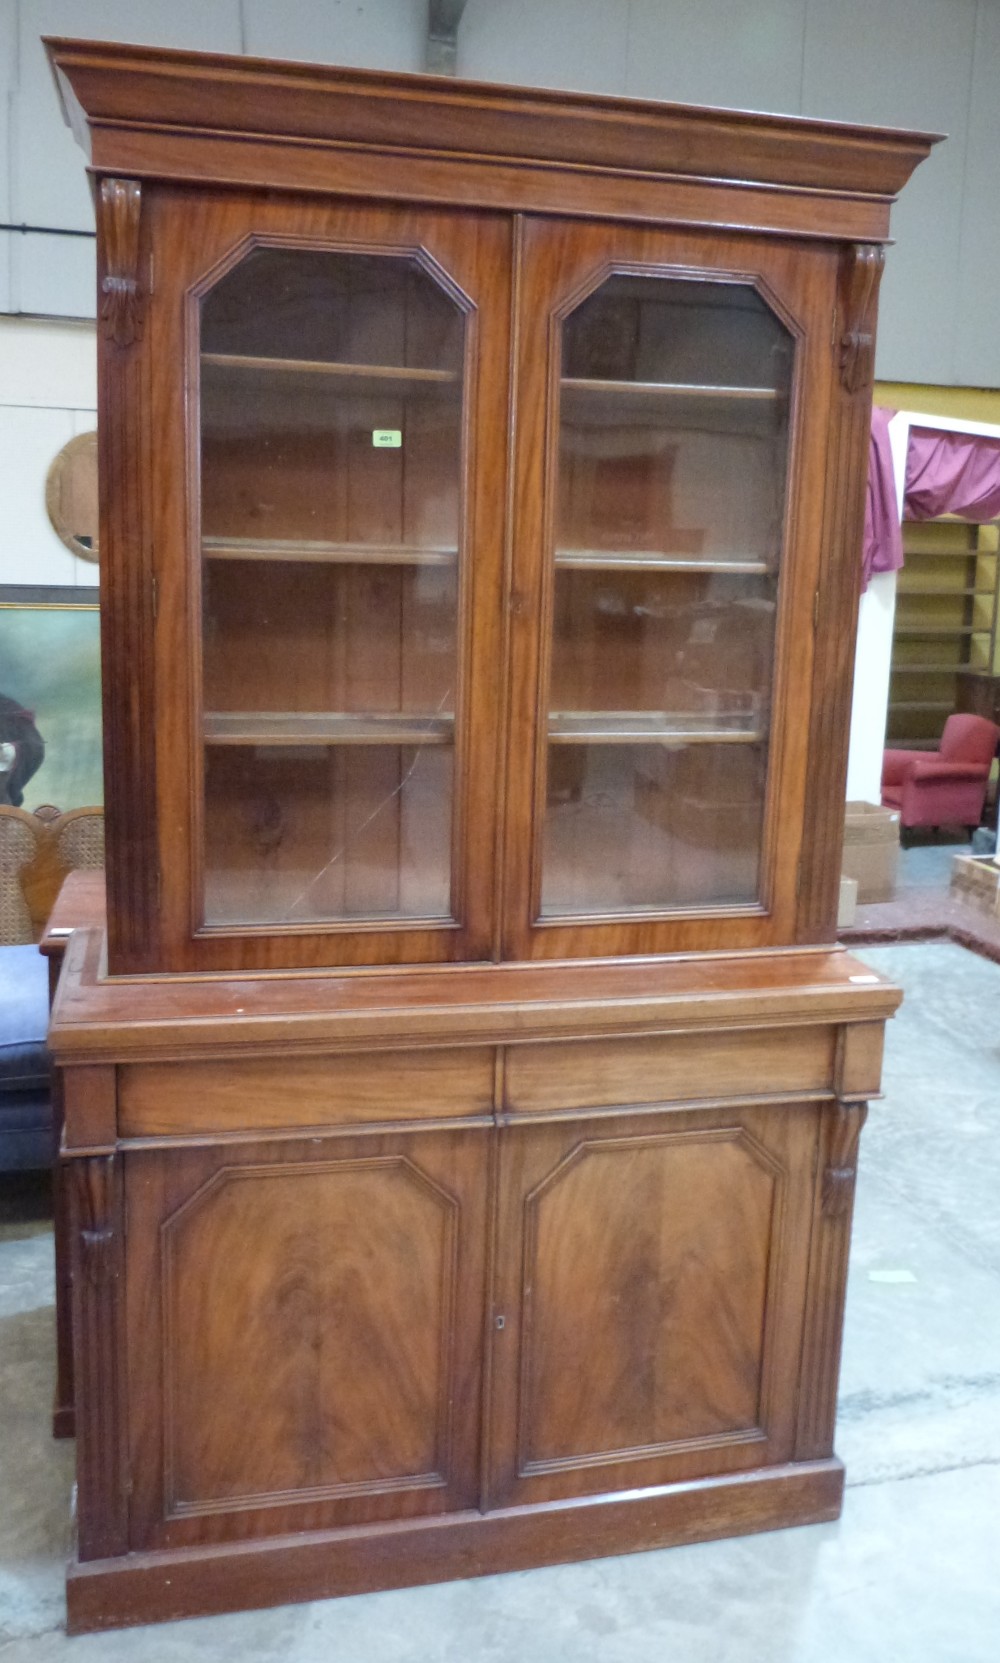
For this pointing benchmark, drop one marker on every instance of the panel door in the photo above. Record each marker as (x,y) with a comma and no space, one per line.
(330,387)
(673,398)
(304,1334)
(649,1302)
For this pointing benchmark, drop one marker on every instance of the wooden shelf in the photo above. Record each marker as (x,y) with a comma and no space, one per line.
(948,554)
(291,549)
(321,366)
(324,728)
(652,560)
(944,593)
(636,727)
(927,669)
(669,389)
(922,704)
(942,629)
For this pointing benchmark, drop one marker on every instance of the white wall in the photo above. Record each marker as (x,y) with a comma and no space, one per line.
(48,393)
(924,63)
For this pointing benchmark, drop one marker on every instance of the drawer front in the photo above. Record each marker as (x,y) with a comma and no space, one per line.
(583,1074)
(275,1093)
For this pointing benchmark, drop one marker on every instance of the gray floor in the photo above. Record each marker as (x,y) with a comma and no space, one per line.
(910,1574)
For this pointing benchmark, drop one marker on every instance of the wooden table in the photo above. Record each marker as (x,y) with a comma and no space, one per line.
(80,903)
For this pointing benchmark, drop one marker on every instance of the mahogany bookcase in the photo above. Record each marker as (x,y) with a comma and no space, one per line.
(462,1108)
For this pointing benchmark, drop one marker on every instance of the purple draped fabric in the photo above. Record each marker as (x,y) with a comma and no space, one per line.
(951,473)
(882,549)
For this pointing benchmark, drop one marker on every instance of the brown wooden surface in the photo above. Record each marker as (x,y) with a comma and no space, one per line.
(171,1100)
(602,1073)
(561,265)
(158,1587)
(80,904)
(565,1298)
(476,1239)
(840,486)
(650,1282)
(116,86)
(326,1371)
(159,899)
(510,186)
(117,1019)
(833,1207)
(205,236)
(98,1281)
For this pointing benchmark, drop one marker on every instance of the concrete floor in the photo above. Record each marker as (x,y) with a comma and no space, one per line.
(910,1574)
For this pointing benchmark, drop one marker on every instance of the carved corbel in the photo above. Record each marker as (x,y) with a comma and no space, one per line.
(839,1173)
(122,296)
(96,1205)
(860,277)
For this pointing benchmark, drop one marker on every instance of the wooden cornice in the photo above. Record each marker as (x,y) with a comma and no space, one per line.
(197,116)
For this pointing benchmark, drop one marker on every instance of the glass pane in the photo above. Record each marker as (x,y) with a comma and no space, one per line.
(330,488)
(670,507)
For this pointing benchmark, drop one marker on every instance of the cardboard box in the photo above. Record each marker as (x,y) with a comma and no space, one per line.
(848,904)
(871,850)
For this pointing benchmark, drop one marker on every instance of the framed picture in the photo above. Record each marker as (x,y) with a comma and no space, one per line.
(50,698)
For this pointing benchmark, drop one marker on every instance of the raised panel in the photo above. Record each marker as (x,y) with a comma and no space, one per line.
(652,1296)
(313,1348)
(629,1243)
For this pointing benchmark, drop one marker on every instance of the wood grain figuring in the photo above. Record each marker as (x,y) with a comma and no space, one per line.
(115,86)
(121,294)
(268,853)
(187,1017)
(819,1370)
(90,1108)
(843,485)
(563,267)
(311,1306)
(341,170)
(159,1587)
(859,1061)
(80,903)
(862,274)
(125,465)
(63,1413)
(652,1307)
(98,1331)
(327,1370)
(197,1098)
(603,1073)
(667,1213)
(462,1117)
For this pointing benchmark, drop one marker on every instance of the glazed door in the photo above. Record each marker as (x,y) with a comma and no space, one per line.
(328,559)
(649,1299)
(304,1334)
(666,556)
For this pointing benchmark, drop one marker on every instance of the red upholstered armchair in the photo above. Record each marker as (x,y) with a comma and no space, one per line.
(947,786)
